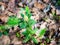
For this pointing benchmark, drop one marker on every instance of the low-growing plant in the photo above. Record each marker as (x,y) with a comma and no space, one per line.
(24,23)
(27,24)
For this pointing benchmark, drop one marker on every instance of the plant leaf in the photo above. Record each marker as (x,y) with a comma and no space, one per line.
(28,12)
(23,25)
(31,22)
(0,34)
(5,33)
(2,27)
(34,40)
(18,34)
(13,21)
(42,32)
(27,38)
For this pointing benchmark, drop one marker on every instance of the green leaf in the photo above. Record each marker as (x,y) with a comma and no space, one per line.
(31,22)
(25,18)
(22,15)
(25,33)
(27,9)
(47,40)
(42,32)
(32,31)
(27,38)
(54,13)
(13,21)
(35,40)
(5,33)
(28,12)
(0,34)
(17,34)
(2,27)
(23,25)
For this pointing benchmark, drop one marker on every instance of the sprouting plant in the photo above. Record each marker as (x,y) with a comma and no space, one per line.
(24,23)
(27,23)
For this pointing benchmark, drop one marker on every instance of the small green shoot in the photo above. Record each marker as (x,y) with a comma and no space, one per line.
(18,34)
(42,32)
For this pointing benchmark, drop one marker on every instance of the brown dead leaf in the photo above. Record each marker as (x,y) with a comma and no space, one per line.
(39,5)
(4,18)
(1,3)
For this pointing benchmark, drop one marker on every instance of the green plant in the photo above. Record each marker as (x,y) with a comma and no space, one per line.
(12,21)
(27,23)
(42,32)
(3,30)
(24,23)
(17,34)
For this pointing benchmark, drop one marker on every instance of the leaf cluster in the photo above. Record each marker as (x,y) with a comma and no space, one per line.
(24,23)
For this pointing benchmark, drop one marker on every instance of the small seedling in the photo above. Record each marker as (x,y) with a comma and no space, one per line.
(27,24)
(24,23)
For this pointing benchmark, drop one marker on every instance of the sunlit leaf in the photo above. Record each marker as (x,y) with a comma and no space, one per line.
(13,21)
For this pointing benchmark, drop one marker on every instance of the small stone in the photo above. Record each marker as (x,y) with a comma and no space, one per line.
(47,8)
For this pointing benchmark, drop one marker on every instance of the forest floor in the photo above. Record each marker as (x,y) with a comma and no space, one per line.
(44,12)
